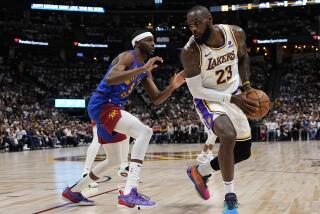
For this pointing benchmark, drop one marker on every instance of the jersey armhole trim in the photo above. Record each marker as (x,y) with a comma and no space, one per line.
(233,37)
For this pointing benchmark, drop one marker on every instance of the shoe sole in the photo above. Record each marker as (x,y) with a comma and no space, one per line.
(232,212)
(195,185)
(137,207)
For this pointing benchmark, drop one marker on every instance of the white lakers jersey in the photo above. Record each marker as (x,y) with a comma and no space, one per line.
(219,66)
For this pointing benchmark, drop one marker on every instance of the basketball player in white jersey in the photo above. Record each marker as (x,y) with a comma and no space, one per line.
(216,64)
(92,152)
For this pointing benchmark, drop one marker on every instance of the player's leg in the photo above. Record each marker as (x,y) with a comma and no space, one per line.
(226,132)
(124,166)
(241,151)
(132,126)
(73,194)
(92,152)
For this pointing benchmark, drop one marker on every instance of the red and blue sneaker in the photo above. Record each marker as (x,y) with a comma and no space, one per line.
(76,198)
(135,200)
(200,182)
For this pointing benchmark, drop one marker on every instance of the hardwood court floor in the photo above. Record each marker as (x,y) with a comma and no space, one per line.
(280,178)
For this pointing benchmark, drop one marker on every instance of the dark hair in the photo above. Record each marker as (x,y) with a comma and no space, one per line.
(136,33)
(199,7)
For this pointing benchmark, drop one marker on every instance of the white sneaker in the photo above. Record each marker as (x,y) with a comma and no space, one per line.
(203,158)
(123,172)
(93,185)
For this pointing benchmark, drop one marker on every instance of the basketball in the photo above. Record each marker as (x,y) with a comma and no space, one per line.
(262,99)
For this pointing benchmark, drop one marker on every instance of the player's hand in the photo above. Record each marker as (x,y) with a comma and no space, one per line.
(177,80)
(247,106)
(149,66)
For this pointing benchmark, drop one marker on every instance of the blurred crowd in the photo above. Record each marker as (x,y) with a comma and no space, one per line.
(30,82)
(29,121)
(296,110)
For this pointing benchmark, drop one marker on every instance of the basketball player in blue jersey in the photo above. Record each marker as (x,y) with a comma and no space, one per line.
(115,125)
(216,64)
(92,152)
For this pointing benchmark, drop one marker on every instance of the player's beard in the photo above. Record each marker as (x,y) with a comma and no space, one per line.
(146,51)
(205,36)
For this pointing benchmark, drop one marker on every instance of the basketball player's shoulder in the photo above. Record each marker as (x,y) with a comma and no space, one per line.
(238,32)
(125,57)
(126,54)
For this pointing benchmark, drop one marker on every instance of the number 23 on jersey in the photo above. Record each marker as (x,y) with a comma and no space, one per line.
(224,75)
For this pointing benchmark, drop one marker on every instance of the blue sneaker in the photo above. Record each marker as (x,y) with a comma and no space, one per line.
(230,204)
(135,200)
(76,198)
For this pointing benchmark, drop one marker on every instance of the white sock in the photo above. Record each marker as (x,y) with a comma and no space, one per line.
(125,152)
(205,169)
(92,152)
(133,177)
(228,186)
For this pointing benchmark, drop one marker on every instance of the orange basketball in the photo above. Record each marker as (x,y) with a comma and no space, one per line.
(262,99)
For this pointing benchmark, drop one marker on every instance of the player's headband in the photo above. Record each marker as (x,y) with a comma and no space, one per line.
(140,37)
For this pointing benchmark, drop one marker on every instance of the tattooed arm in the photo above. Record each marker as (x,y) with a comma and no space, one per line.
(244,59)
(122,62)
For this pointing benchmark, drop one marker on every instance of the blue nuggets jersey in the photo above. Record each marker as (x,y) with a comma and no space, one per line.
(116,94)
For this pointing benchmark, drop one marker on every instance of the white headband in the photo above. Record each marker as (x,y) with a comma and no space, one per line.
(140,37)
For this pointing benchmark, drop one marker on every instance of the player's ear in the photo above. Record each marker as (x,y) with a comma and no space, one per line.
(137,44)
(210,18)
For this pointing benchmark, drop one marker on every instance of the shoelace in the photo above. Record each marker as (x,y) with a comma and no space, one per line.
(138,197)
(206,179)
(232,204)
(141,197)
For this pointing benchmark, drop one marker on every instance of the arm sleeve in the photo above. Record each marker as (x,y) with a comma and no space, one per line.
(198,91)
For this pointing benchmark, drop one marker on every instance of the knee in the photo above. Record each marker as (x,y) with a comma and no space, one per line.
(146,131)
(228,136)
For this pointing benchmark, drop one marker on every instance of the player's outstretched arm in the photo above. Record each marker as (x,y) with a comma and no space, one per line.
(157,97)
(122,62)
(244,59)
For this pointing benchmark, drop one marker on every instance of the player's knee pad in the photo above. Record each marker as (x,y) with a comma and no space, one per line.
(146,131)
(142,141)
(242,150)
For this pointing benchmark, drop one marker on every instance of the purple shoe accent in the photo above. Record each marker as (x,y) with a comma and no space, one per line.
(135,200)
